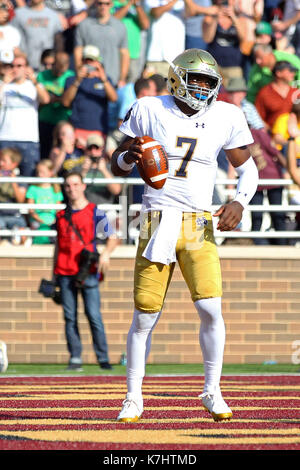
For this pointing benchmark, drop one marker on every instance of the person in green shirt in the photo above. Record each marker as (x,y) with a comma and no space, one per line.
(261,71)
(43,193)
(50,114)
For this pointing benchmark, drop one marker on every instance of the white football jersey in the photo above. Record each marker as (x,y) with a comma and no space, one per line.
(192,144)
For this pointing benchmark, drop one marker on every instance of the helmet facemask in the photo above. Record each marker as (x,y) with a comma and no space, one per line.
(198,62)
(193,95)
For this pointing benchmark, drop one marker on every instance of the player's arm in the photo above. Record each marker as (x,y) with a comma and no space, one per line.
(231,214)
(128,153)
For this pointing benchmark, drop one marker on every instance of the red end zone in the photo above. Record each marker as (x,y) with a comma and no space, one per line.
(79,413)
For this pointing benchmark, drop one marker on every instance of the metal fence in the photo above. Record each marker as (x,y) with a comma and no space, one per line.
(127,211)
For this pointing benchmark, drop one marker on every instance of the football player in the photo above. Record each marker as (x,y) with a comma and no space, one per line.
(177,221)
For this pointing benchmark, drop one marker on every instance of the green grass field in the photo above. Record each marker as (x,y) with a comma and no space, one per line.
(151,369)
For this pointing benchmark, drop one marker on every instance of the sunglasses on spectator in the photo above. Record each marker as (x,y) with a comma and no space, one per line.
(18,65)
(103,3)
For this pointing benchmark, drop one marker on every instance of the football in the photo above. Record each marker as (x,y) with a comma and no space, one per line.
(153,166)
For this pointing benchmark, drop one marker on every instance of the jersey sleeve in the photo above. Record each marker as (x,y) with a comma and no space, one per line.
(133,124)
(239,134)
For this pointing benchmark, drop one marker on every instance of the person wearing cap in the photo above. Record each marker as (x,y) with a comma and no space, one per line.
(88,95)
(96,165)
(263,33)
(277,97)
(237,91)
(265,58)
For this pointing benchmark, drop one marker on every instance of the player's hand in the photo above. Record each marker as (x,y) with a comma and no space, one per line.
(135,151)
(229,215)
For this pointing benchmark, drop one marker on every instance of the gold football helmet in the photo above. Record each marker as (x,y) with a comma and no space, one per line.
(194,61)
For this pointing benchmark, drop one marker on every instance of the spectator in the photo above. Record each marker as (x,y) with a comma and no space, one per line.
(88,95)
(77,228)
(136,20)
(160,84)
(66,155)
(95,165)
(47,59)
(43,193)
(224,34)
(40,29)
(280,130)
(263,33)
(71,13)
(261,72)
(10,37)
(195,11)
(270,163)
(166,37)
(50,114)
(110,36)
(237,91)
(290,25)
(21,95)
(293,158)
(250,13)
(10,160)
(277,97)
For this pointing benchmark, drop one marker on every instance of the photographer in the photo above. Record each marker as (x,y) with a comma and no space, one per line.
(88,95)
(77,267)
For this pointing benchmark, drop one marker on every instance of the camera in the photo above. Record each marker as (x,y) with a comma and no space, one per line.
(87,259)
(49,289)
(90,68)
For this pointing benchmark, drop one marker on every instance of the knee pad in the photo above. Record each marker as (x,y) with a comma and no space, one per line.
(209,310)
(144,322)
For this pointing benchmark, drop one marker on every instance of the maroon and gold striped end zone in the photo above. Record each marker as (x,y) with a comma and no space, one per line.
(79,413)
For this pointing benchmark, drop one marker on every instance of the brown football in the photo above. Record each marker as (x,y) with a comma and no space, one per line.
(153,166)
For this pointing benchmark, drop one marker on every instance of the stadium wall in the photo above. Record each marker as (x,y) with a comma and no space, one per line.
(261,307)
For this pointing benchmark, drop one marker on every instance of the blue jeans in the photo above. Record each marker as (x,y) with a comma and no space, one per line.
(91,300)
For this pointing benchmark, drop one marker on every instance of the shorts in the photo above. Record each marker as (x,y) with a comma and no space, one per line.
(196,254)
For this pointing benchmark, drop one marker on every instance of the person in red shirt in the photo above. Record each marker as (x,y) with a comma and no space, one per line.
(277,97)
(78,226)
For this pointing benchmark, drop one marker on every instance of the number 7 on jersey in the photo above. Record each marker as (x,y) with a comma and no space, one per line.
(181,172)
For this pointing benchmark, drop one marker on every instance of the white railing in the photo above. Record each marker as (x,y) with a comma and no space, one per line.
(125,211)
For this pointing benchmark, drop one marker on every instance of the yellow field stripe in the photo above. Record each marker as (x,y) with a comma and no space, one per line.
(178,436)
(92,396)
(92,422)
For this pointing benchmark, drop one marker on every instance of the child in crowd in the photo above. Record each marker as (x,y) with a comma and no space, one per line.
(43,193)
(11,192)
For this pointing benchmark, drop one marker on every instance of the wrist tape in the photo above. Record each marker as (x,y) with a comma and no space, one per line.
(122,164)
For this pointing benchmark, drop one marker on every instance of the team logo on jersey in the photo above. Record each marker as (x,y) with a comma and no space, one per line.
(201,222)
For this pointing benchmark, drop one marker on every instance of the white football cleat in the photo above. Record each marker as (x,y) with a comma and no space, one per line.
(3,357)
(216,406)
(132,409)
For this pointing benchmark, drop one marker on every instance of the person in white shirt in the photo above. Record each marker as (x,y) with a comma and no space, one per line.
(176,222)
(20,96)
(10,37)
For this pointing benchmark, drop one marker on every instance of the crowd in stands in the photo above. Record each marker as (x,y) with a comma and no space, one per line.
(69,71)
